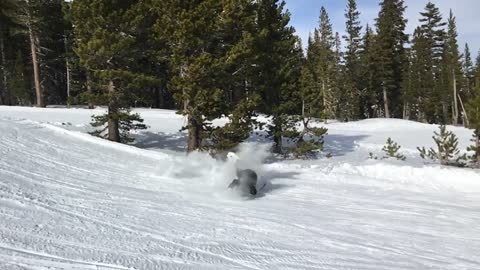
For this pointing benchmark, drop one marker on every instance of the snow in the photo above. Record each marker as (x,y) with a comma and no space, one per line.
(72,201)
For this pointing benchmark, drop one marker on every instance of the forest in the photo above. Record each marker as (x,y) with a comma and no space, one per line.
(236,59)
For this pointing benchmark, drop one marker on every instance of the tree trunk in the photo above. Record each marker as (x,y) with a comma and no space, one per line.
(303,108)
(277,144)
(113,110)
(324,102)
(194,134)
(67,66)
(465,116)
(157,98)
(455,102)
(277,136)
(89,90)
(405,109)
(477,144)
(36,66)
(5,96)
(385,102)
(445,112)
(183,73)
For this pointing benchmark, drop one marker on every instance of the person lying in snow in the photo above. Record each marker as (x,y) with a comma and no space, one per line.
(246,179)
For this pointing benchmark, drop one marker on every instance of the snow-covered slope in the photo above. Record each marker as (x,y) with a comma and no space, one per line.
(71,201)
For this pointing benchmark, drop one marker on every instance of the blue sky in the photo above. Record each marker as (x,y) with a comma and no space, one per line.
(305,15)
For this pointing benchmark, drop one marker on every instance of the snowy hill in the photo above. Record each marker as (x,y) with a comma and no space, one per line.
(72,201)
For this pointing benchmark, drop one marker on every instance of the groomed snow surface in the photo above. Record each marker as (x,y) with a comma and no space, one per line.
(72,201)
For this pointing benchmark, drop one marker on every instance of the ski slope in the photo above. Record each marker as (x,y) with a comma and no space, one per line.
(72,201)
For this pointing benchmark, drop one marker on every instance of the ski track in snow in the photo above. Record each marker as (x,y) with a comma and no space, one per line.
(72,201)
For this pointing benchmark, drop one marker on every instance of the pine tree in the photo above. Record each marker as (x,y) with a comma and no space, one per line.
(310,92)
(421,79)
(391,54)
(473,113)
(326,65)
(40,23)
(322,59)
(310,139)
(52,52)
(6,23)
(152,54)
(409,90)
(211,43)
(75,78)
(433,31)
(433,38)
(312,100)
(12,40)
(475,148)
(278,67)
(468,69)
(352,61)
(451,75)
(18,83)
(391,149)
(352,38)
(30,16)
(105,43)
(447,151)
(369,83)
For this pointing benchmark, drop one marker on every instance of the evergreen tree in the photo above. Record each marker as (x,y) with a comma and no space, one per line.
(310,139)
(238,30)
(105,44)
(391,149)
(30,15)
(39,26)
(433,36)
(19,84)
(153,55)
(322,59)
(310,94)
(352,38)
(473,113)
(369,73)
(391,54)
(312,100)
(409,98)
(352,61)
(11,41)
(52,51)
(447,151)
(5,22)
(278,67)
(211,42)
(327,64)
(433,31)
(468,69)
(422,107)
(451,75)
(475,148)
(75,76)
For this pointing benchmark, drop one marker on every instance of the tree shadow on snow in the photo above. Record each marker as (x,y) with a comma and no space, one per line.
(340,145)
(337,145)
(165,141)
